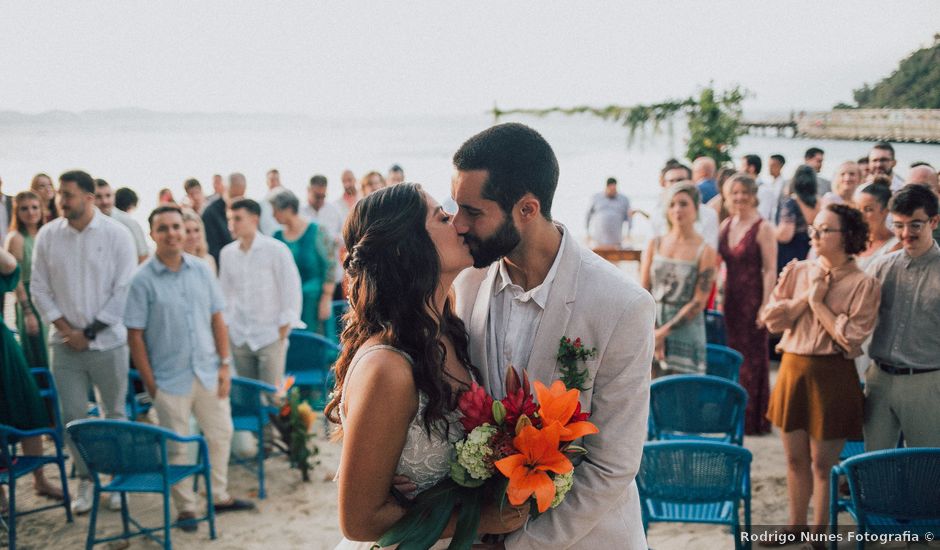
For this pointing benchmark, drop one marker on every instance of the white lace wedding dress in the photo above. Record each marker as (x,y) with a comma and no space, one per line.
(425,460)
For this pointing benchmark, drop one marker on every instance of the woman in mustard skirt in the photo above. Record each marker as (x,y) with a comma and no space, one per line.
(825,308)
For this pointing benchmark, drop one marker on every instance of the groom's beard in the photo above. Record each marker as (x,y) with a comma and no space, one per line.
(487,251)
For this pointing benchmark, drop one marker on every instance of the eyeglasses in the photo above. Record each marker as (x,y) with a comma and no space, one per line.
(817,232)
(915,226)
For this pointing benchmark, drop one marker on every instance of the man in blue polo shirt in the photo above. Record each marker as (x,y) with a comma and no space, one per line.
(179,343)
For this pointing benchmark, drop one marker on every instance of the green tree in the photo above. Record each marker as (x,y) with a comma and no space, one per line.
(914,85)
(714,119)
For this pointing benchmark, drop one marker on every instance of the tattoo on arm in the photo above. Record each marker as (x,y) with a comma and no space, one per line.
(705,279)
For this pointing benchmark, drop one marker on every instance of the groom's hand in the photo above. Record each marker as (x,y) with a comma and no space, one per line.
(403,485)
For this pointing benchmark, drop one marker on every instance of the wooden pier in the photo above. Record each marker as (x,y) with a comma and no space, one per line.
(897,125)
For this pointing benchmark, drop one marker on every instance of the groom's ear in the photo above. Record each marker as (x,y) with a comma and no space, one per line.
(528,208)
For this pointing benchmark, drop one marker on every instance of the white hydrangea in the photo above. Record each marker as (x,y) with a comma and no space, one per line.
(474,451)
(563,483)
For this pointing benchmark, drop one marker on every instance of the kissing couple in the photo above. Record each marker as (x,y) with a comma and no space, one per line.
(423,326)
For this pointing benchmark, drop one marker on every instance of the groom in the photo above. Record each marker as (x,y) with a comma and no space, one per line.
(537,284)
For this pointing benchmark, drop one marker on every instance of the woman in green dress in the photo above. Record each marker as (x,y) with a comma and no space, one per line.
(27,219)
(314,255)
(21,406)
(678,269)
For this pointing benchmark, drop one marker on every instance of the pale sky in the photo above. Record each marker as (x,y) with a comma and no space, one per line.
(346,58)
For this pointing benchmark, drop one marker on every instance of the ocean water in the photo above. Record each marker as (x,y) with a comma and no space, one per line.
(154,151)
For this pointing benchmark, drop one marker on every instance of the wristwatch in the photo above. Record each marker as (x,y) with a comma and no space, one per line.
(90,332)
(227,362)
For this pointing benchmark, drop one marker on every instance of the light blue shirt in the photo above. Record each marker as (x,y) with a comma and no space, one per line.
(174,309)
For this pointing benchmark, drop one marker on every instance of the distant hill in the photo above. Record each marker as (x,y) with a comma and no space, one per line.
(134,117)
(914,85)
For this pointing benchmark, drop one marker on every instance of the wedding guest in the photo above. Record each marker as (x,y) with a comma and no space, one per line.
(814,159)
(218,189)
(350,194)
(330,220)
(792,225)
(312,249)
(104,201)
(770,193)
(678,269)
(845,184)
(396,175)
(184,366)
(721,202)
(825,308)
(195,198)
(751,165)
(214,217)
(268,225)
(82,264)
(165,196)
(750,254)
(262,292)
(125,200)
(863,168)
(703,174)
(21,407)
(707,223)
(194,242)
(924,174)
(872,201)
(27,219)
(371,182)
(900,388)
(610,210)
(41,184)
(6,214)
(881,161)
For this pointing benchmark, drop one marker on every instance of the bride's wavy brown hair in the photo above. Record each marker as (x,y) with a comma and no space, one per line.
(394,272)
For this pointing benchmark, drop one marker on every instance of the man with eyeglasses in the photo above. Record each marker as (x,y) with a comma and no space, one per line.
(881,161)
(900,387)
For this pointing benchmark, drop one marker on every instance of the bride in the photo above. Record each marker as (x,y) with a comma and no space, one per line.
(404,363)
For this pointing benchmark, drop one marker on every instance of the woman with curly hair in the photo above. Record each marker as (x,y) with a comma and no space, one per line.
(404,362)
(826,308)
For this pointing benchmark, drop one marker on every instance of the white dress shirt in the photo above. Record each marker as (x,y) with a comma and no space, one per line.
(514,319)
(331,220)
(262,291)
(769,194)
(140,242)
(84,276)
(266,223)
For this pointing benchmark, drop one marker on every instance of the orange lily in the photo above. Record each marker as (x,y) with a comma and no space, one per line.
(558,404)
(526,471)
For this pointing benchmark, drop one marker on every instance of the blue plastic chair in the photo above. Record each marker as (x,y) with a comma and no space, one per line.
(135,454)
(309,358)
(250,414)
(340,307)
(697,407)
(715,327)
(723,361)
(14,466)
(891,491)
(696,482)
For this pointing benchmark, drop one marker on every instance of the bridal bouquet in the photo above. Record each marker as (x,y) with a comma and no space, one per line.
(515,450)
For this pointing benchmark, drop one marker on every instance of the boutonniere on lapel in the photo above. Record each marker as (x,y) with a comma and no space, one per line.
(569,354)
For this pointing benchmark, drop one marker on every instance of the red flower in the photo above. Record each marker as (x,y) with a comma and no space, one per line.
(518,403)
(579,416)
(476,406)
(577,343)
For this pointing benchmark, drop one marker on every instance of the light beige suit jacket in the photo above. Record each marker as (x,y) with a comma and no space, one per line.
(592,300)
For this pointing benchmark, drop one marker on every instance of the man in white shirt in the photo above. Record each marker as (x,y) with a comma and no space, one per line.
(881,161)
(267,224)
(770,192)
(707,224)
(261,285)
(104,200)
(350,194)
(82,267)
(328,217)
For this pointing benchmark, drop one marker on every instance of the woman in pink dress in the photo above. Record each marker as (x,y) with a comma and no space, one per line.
(749,249)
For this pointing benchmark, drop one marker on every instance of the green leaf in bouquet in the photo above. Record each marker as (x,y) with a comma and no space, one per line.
(468,520)
(576,450)
(434,524)
(416,524)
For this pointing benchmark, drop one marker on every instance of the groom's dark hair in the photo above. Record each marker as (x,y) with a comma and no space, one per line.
(518,160)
